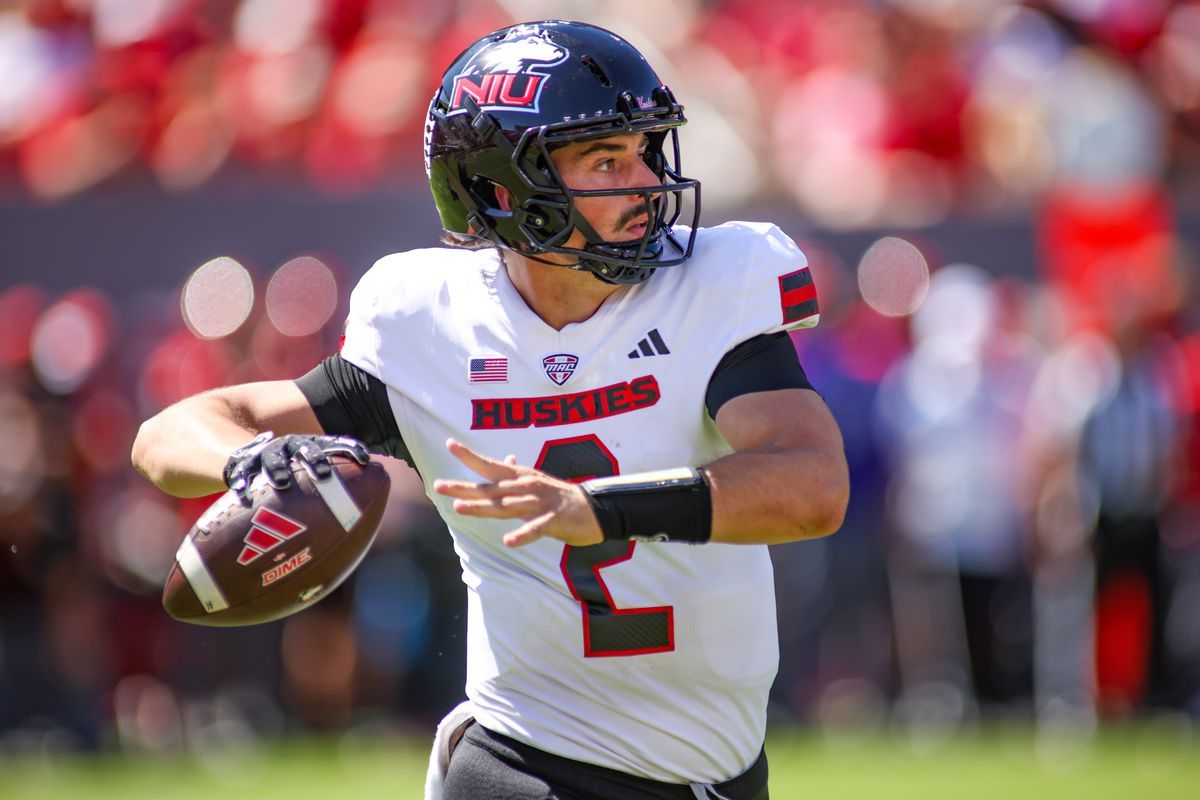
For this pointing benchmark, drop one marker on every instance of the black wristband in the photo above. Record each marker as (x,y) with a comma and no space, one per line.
(673,505)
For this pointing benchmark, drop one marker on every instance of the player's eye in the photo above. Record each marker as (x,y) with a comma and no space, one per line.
(606,164)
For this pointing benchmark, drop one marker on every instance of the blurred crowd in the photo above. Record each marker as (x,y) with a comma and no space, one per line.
(863,112)
(1022,539)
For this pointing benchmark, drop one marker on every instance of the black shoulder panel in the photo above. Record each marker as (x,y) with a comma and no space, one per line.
(349,401)
(763,363)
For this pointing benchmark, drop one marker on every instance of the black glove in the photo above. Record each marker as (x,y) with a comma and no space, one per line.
(273,457)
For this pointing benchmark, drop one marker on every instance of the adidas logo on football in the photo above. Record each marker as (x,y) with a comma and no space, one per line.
(651,345)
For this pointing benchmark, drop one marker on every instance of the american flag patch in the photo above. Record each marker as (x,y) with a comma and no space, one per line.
(488,370)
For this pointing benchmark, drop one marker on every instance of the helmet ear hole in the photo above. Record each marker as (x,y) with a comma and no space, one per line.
(655,161)
(484,192)
(653,156)
(544,217)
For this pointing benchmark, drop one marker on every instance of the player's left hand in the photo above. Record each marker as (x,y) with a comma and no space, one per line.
(550,506)
(273,456)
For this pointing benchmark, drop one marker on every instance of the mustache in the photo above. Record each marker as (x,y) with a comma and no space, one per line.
(629,216)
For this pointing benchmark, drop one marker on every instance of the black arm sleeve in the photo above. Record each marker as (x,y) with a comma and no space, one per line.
(351,402)
(761,364)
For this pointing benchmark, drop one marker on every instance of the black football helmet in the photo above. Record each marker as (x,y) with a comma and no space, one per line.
(513,96)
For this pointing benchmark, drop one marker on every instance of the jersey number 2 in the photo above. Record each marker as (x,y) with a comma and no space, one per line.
(607,630)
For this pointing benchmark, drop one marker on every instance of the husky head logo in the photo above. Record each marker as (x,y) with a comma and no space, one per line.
(505,76)
(519,51)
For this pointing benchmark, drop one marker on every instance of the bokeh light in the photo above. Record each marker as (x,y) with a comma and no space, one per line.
(20,307)
(217,298)
(958,311)
(391,609)
(301,296)
(893,277)
(267,27)
(278,356)
(147,715)
(103,430)
(23,465)
(70,339)
(1175,58)
(139,547)
(192,146)
(116,23)
(287,87)
(379,88)
(181,366)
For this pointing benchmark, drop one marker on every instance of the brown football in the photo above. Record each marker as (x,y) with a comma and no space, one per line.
(246,564)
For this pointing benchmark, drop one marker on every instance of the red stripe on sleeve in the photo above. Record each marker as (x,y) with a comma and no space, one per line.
(795,297)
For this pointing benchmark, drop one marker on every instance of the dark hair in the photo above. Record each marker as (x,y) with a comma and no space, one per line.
(465,241)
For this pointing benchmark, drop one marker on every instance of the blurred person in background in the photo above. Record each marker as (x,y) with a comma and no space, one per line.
(657,354)
(952,412)
(1130,456)
(1112,259)
(54,658)
(833,592)
(1181,540)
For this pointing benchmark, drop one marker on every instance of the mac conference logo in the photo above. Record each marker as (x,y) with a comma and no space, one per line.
(560,367)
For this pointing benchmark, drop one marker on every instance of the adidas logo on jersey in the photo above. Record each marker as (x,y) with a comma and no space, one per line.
(650,345)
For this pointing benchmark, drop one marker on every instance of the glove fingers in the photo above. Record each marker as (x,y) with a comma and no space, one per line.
(353,448)
(312,454)
(273,458)
(276,467)
(350,449)
(240,485)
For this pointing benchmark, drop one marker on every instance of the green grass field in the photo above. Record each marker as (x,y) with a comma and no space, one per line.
(1129,764)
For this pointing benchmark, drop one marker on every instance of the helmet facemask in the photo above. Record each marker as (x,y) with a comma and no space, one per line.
(471,151)
(631,261)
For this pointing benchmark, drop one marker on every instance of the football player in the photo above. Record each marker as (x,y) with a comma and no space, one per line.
(605,407)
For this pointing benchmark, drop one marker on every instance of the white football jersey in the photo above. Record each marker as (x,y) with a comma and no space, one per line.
(650,658)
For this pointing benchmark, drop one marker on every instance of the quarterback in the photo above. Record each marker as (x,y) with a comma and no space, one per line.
(604,405)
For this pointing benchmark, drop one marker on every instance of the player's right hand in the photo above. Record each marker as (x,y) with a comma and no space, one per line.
(273,456)
(549,506)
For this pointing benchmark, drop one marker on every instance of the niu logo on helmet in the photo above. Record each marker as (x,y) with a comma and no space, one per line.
(502,76)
